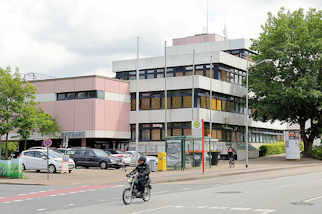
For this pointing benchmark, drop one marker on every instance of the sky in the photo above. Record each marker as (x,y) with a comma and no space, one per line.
(59,38)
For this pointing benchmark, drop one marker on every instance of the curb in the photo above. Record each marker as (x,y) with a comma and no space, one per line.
(234,173)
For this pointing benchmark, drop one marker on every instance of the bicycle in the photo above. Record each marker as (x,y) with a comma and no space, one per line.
(231,162)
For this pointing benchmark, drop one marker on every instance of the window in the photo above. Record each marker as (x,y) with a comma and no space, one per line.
(81,95)
(145,101)
(156,134)
(150,74)
(132,75)
(133,132)
(29,154)
(133,102)
(156,100)
(61,96)
(187,101)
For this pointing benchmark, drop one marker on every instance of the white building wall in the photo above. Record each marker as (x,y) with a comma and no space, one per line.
(180,60)
(185,82)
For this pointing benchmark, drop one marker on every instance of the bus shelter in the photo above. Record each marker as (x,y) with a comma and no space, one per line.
(186,152)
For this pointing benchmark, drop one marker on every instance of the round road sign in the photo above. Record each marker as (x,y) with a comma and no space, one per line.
(47,143)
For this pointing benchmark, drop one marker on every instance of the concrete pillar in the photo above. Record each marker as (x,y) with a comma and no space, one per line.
(83,142)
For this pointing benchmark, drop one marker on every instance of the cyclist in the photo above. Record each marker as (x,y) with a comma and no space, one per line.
(231,155)
(143,171)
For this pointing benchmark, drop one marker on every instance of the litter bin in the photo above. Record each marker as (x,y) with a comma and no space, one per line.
(196,159)
(214,158)
(162,161)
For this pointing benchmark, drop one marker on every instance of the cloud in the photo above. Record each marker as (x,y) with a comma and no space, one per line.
(74,37)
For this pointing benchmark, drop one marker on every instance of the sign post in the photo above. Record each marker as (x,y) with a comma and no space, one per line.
(47,143)
(203,146)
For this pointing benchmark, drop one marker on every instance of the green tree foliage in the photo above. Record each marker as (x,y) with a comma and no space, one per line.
(15,94)
(290,88)
(18,110)
(47,125)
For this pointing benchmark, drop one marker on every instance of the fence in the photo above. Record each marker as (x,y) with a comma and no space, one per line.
(11,168)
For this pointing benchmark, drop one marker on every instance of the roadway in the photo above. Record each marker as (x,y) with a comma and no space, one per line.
(236,194)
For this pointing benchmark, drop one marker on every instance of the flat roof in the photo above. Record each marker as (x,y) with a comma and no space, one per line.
(80,77)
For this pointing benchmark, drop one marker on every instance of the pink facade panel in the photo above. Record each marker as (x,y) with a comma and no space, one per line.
(112,116)
(86,114)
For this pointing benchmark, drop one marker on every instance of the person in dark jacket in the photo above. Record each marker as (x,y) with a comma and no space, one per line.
(143,171)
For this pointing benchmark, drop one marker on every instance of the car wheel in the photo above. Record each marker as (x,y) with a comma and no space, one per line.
(103,165)
(70,171)
(23,167)
(38,171)
(51,168)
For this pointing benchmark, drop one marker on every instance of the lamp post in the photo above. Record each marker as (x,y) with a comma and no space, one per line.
(246,108)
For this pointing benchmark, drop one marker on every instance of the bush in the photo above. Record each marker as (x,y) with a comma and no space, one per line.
(317,152)
(272,149)
(12,147)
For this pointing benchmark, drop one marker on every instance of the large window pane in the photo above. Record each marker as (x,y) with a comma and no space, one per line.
(219,134)
(213,104)
(133,104)
(156,134)
(219,105)
(177,132)
(187,132)
(199,72)
(177,102)
(145,103)
(187,101)
(188,73)
(155,101)
(146,134)
(202,102)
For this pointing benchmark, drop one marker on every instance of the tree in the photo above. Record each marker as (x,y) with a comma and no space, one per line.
(14,95)
(27,122)
(290,88)
(47,125)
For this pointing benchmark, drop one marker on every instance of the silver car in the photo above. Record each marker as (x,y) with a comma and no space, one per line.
(36,159)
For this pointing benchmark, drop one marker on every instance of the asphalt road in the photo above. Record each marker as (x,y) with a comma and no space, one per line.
(229,195)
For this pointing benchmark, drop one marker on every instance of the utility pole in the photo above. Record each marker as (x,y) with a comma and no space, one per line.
(137,92)
(165,92)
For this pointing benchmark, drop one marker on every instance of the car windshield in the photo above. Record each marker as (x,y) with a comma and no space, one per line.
(100,153)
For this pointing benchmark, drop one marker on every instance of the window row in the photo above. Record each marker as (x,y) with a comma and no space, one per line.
(81,95)
(183,99)
(225,133)
(216,71)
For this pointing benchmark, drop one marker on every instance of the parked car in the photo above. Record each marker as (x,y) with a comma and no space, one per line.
(134,157)
(88,157)
(36,159)
(125,158)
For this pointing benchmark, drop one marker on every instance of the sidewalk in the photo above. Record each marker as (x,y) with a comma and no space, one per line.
(103,177)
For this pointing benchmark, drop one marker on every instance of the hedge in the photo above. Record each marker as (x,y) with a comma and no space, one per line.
(317,152)
(274,149)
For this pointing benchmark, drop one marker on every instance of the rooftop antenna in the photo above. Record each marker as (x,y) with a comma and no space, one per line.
(207,18)
(225,32)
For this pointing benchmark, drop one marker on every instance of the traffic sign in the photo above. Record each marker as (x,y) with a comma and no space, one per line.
(47,143)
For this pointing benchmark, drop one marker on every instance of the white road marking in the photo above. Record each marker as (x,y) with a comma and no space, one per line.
(40,210)
(313,199)
(187,188)
(62,194)
(179,206)
(202,207)
(72,192)
(150,210)
(264,211)
(17,200)
(241,209)
(52,195)
(117,186)
(70,205)
(219,208)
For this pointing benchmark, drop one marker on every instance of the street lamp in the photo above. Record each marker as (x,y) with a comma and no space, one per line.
(246,108)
